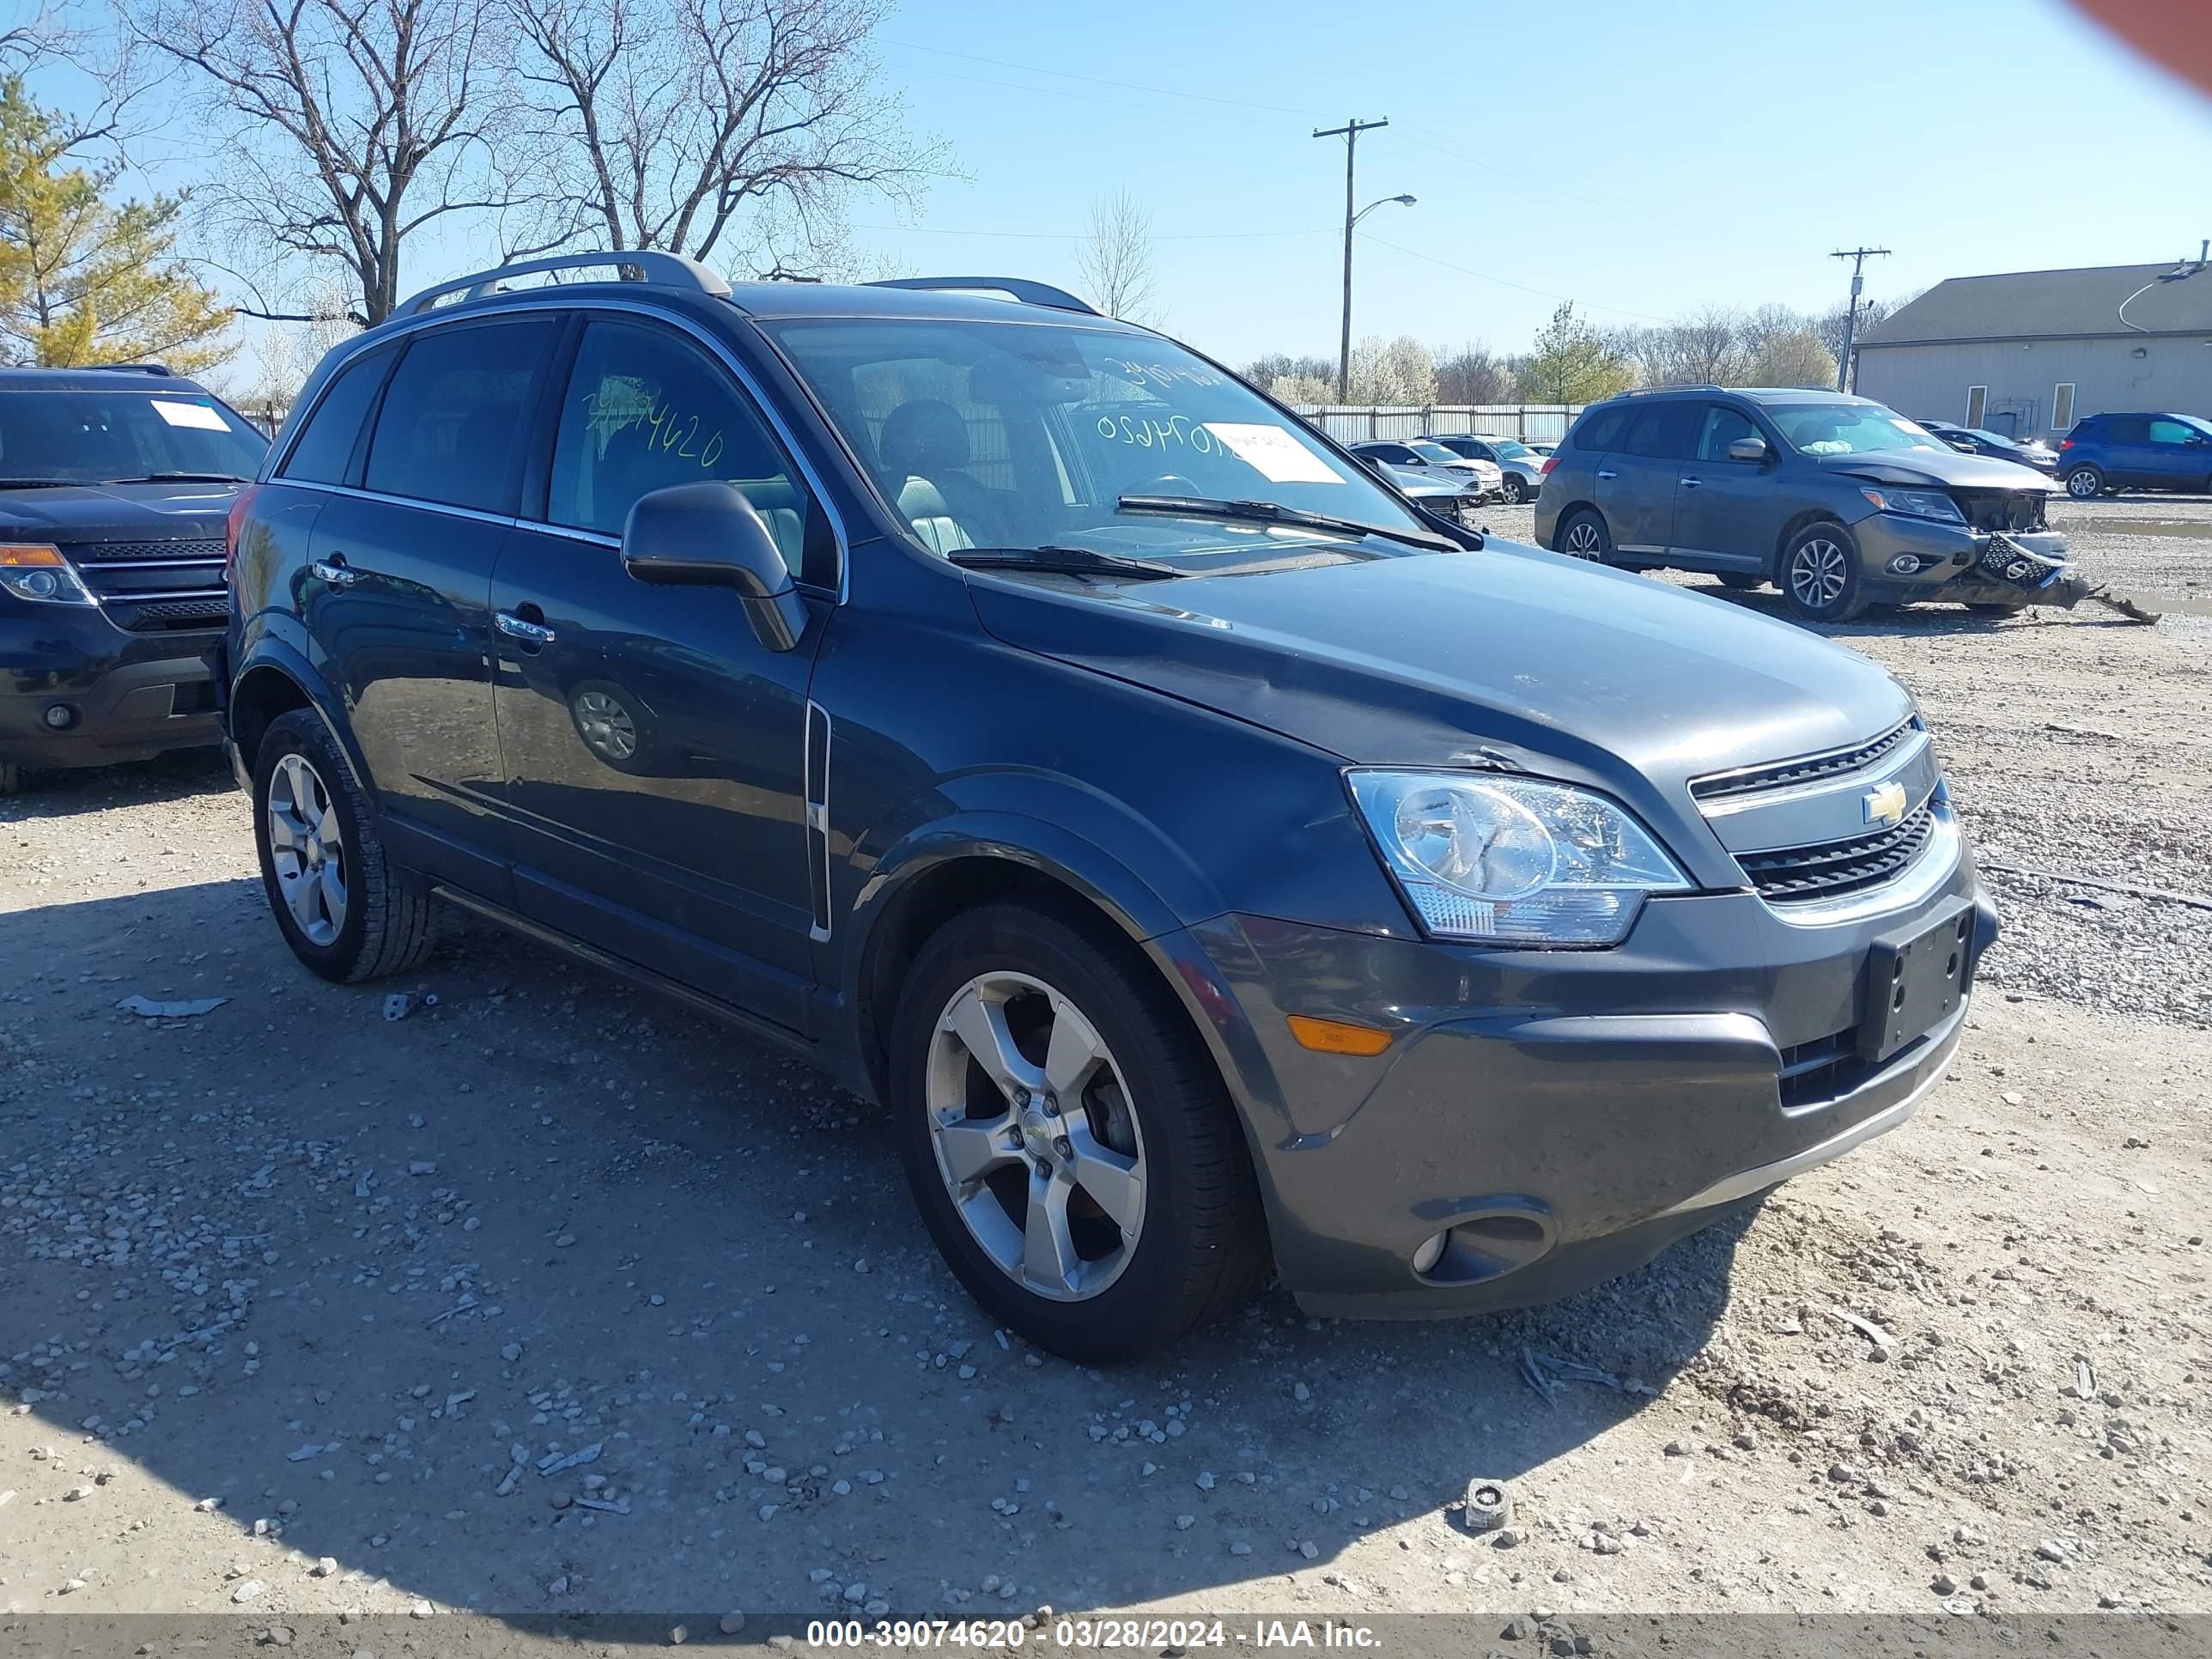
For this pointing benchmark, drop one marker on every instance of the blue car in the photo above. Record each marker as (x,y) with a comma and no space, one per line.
(2105,453)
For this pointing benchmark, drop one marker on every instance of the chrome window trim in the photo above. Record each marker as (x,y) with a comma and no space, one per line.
(523,304)
(474,515)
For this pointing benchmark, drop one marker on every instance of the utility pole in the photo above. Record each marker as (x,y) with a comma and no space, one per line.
(1349,132)
(1859,257)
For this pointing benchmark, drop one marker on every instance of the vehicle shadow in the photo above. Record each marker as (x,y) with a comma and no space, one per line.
(176,777)
(1934,618)
(366,1281)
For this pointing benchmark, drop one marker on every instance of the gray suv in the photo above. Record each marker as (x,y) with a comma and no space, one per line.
(1839,501)
(1207,863)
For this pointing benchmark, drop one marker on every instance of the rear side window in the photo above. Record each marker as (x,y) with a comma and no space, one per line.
(457,415)
(1599,431)
(325,450)
(2126,429)
(1662,431)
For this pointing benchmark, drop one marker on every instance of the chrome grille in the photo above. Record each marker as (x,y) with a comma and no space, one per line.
(1785,774)
(1831,869)
(152,588)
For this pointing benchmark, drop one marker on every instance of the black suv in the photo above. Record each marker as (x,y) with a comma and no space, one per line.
(1211,862)
(1841,502)
(114,485)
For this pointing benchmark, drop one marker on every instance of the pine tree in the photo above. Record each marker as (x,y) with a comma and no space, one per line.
(83,279)
(1573,364)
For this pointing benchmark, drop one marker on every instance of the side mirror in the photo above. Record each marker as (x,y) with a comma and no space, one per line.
(1748,449)
(709,535)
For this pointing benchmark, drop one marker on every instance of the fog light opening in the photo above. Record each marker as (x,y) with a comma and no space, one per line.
(60,716)
(1431,1252)
(1904,564)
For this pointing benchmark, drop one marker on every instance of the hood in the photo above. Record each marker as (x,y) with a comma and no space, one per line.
(1948,467)
(1439,483)
(117,512)
(1540,663)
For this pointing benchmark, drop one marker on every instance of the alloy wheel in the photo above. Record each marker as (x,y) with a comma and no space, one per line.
(1818,573)
(1035,1137)
(1583,542)
(306,844)
(2083,484)
(607,725)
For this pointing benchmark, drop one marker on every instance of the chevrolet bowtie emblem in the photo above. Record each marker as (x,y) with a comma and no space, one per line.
(1885,806)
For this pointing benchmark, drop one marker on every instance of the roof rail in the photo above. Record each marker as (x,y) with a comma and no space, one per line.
(1019,288)
(653,266)
(162,369)
(1653,390)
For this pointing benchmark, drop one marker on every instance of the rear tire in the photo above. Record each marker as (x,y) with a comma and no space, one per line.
(340,904)
(11,779)
(1582,534)
(1152,1125)
(1819,574)
(2085,484)
(1513,489)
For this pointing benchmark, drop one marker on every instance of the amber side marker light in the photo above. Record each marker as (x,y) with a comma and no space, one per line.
(34,555)
(1336,1036)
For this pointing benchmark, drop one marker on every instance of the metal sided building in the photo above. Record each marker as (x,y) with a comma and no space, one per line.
(2029,352)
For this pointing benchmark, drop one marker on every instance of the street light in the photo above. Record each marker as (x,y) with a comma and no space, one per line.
(1344,343)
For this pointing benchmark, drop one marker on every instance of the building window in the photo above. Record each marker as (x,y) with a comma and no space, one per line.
(2061,408)
(1977,404)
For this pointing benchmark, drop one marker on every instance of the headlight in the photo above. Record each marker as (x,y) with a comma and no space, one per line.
(1915,504)
(1512,861)
(37,572)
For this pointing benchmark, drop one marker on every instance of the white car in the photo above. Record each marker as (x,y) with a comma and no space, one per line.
(1521,466)
(1419,457)
(1451,497)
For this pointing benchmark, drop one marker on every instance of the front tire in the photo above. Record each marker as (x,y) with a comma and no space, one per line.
(1819,576)
(338,901)
(1068,1138)
(2085,484)
(1583,536)
(1742,582)
(11,779)
(1514,490)
(1997,608)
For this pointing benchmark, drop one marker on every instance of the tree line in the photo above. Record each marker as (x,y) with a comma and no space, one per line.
(1574,360)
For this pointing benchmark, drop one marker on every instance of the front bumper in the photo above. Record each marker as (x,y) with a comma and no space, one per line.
(128,696)
(1950,559)
(1561,1116)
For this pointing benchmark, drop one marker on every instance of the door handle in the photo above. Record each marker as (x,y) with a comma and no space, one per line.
(1692,483)
(1604,472)
(334,571)
(517,627)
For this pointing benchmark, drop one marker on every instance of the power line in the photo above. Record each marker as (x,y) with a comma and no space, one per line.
(1541,293)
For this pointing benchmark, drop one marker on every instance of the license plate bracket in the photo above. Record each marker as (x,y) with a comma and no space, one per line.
(1915,980)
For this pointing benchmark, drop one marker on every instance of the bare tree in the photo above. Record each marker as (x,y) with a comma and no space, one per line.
(1114,259)
(1474,374)
(673,124)
(350,124)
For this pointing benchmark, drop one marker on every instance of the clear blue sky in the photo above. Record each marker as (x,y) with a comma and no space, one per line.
(1642,157)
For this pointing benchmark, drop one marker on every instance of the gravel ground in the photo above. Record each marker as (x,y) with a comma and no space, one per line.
(551,1297)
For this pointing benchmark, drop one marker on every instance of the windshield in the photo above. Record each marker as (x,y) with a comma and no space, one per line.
(53,434)
(1507,450)
(988,434)
(1438,454)
(1848,429)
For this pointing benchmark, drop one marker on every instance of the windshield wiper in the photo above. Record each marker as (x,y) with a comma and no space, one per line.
(1070,560)
(181,478)
(41,484)
(1208,507)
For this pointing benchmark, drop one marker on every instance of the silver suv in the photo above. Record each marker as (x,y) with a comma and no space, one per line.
(1839,501)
